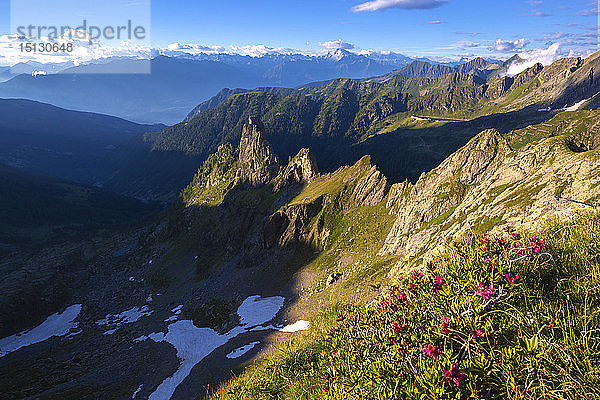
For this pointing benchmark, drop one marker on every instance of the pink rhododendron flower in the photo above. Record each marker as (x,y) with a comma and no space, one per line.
(519,249)
(485,242)
(384,305)
(445,326)
(397,327)
(477,335)
(416,275)
(401,298)
(431,351)
(512,279)
(485,291)
(438,284)
(537,245)
(454,374)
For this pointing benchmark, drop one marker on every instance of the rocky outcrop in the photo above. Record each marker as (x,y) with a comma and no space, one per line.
(302,168)
(217,166)
(581,81)
(486,185)
(527,75)
(499,87)
(441,190)
(370,190)
(257,162)
(291,225)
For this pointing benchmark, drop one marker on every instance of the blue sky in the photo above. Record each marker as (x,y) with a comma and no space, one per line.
(449,28)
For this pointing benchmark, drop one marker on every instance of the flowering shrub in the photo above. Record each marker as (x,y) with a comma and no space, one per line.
(482,321)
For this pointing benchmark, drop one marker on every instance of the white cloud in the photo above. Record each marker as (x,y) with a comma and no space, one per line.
(436,22)
(505,46)
(532,57)
(90,50)
(539,14)
(376,5)
(178,49)
(588,13)
(337,44)
(468,44)
(83,51)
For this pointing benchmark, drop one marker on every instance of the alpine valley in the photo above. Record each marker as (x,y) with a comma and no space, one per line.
(367,229)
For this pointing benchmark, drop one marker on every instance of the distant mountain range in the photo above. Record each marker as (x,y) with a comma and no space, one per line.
(343,119)
(178,84)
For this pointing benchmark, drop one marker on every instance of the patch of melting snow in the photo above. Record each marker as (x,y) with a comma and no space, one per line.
(254,310)
(300,325)
(70,335)
(237,353)
(194,344)
(297,326)
(126,317)
(177,310)
(149,298)
(55,325)
(175,317)
(576,106)
(136,391)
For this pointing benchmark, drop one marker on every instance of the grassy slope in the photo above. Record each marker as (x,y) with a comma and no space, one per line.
(537,338)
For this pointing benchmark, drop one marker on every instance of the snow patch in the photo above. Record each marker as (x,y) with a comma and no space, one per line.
(177,310)
(126,317)
(194,344)
(55,325)
(240,351)
(578,105)
(175,316)
(136,391)
(295,327)
(256,311)
(300,325)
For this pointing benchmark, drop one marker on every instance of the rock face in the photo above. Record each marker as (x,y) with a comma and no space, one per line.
(290,225)
(486,185)
(302,168)
(441,190)
(217,166)
(257,162)
(371,190)
(253,164)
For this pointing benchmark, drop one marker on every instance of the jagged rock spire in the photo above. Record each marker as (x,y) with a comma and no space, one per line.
(257,161)
(302,168)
